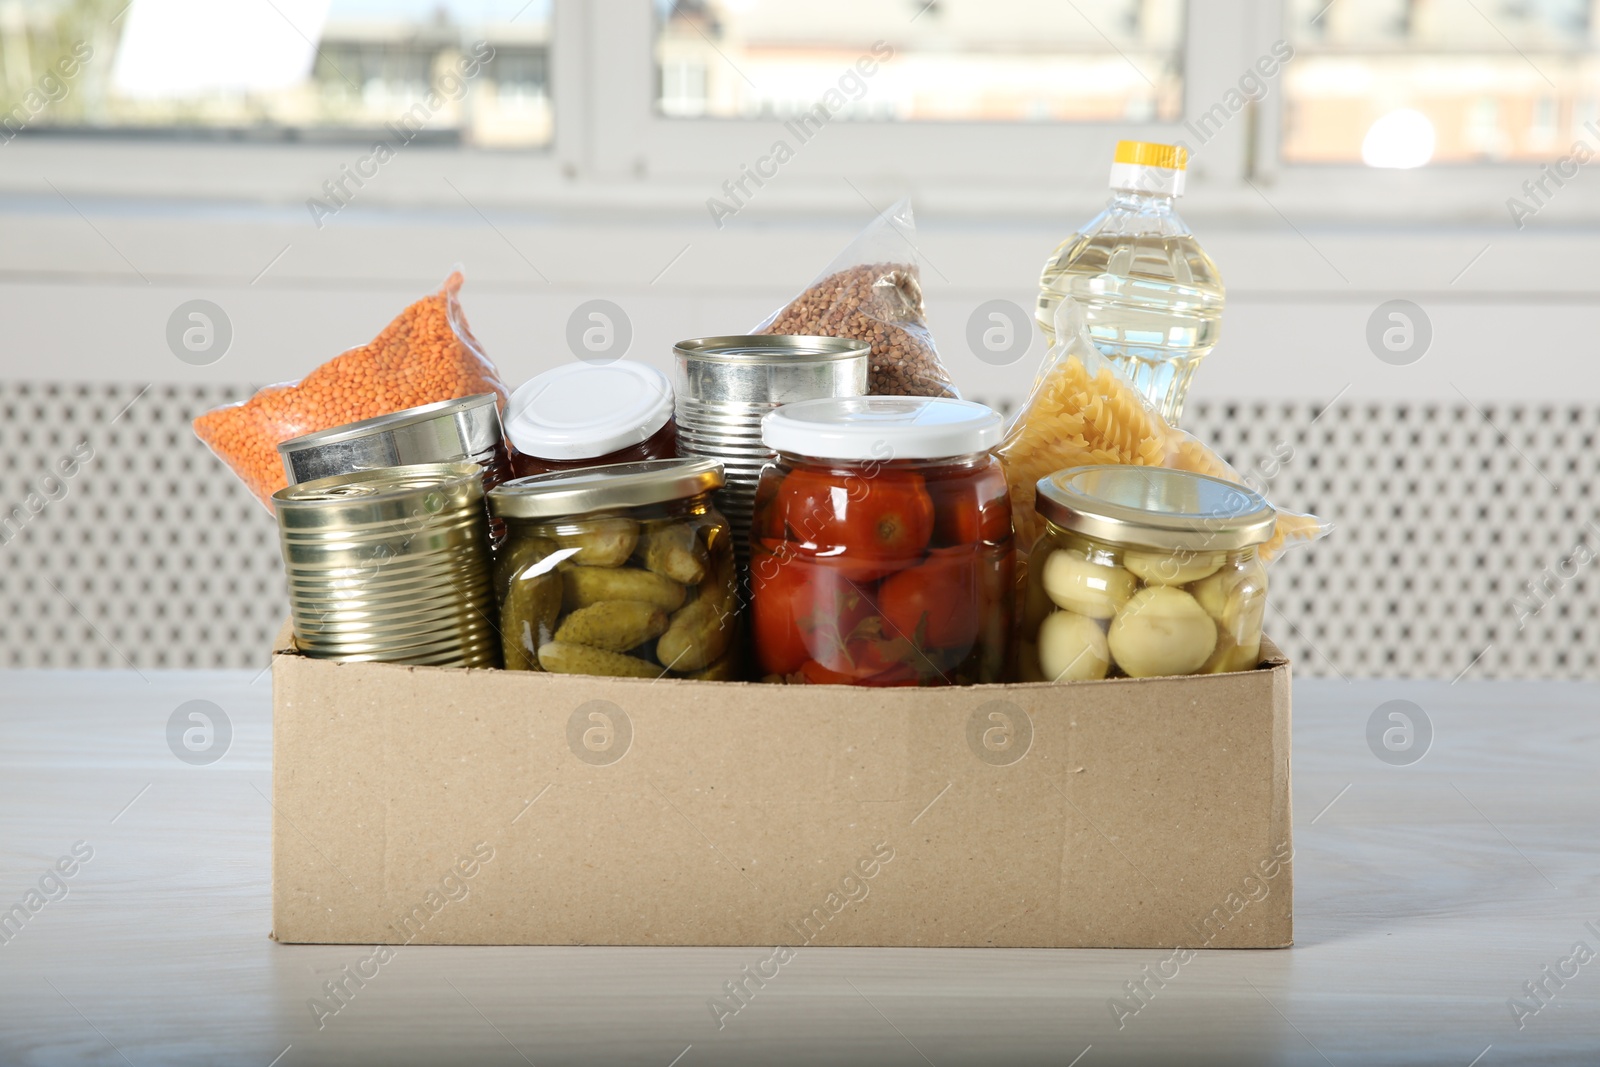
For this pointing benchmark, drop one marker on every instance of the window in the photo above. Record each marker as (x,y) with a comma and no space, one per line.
(454,71)
(1408,82)
(929,60)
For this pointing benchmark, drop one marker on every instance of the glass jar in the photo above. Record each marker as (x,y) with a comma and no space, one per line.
(624,570)
(591,415)
(881,550)
(1143,571)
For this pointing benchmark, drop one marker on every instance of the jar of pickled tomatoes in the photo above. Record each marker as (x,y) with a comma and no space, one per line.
(1143,571)
(881,550)
(590,415)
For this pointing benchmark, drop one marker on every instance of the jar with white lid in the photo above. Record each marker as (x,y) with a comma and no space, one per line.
(590,415)
(881,549)
(1141,572)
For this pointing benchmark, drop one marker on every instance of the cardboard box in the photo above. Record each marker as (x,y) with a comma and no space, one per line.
(438,806)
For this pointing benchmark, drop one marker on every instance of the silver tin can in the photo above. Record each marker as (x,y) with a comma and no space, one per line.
(724,385)
(467,428)
(391,565)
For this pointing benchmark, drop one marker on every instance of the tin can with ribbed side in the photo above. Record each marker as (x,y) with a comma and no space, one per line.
(724,385)
(391,565)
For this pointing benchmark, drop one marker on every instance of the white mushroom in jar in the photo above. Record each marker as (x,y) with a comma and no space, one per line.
(1072,648)
(1235,597)
(1161,630)
(1176,567)
(1079,584)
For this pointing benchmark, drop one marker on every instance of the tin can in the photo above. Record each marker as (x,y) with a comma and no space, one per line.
(724,385)
(467,428)
(391,565)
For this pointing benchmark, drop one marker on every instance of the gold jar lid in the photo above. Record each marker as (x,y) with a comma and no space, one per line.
(616,485)
(1153,507)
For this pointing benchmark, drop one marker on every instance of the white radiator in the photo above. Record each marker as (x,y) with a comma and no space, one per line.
(1463,540)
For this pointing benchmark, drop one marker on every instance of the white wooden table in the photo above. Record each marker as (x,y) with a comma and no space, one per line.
(1428,895)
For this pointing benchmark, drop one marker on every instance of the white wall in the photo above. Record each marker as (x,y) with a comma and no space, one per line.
(86,288)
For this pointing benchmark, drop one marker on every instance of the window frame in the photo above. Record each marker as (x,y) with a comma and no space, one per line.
(611,146)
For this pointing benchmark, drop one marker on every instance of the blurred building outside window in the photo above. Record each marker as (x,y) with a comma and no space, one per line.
(281,70)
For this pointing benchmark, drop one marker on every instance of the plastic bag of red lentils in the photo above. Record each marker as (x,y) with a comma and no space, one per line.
(426,354)
(872,292)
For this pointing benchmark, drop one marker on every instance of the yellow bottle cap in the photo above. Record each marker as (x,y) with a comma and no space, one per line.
(1146,154)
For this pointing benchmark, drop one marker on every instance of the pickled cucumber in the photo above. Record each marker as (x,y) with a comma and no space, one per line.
(518,554)
(1161,630)
(702,629)
(613,625)
(1072,648)
(673,550)
(560,658)
(604,542)
(528,612)
(725,669)
(590,585)
(1094,589)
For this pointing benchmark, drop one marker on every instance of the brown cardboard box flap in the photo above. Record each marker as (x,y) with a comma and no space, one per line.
(1151,812)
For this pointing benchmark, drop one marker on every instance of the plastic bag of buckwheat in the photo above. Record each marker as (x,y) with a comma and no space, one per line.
(873,292)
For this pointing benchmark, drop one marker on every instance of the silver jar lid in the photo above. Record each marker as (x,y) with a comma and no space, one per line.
(616,485)
(441,432)
(1154,507)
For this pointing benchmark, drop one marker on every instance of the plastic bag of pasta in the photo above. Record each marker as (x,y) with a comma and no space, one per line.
(1081,412)
(872,292)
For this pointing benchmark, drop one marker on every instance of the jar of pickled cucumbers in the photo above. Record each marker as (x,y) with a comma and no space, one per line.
(624,570)
(1143,571)
(881,549)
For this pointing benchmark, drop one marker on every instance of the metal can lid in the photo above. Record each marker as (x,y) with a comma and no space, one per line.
(763,348)
(1154,507)
(583,410)
(882,428)
(616,485)
(378,495)
(440,432)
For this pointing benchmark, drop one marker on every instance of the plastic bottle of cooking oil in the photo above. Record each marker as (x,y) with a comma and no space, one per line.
(1152,297)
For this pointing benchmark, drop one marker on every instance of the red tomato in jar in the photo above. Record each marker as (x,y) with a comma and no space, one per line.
(866,526)
(865,670)
(936,604)
(803,609)
(777,586)
(971,509)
